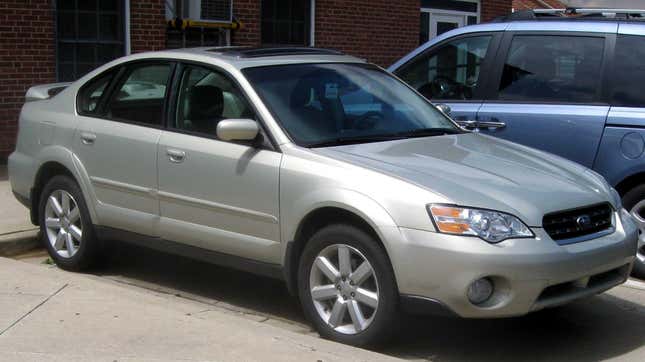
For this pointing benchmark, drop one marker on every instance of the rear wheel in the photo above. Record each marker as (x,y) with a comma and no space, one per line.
(347,286)
(65,225)
(634,202)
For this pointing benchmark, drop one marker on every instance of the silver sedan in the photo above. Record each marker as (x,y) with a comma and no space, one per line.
(320,169)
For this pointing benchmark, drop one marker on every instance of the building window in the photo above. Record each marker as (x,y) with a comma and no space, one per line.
(440,16)
(286,22)
(89,33)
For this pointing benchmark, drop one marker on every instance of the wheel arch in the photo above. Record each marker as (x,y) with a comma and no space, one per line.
(630,182)
(59,161)
(325,215)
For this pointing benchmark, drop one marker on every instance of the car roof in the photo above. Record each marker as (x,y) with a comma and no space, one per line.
(551,25)
(245,57)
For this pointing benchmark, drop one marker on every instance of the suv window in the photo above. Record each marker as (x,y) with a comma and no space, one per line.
(552,68)
(205,98)
(629,75)
(451,72)
(140,96)
(91,94)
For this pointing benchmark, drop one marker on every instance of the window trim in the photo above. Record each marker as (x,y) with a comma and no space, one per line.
(270,143)
(492,91)
(487,65)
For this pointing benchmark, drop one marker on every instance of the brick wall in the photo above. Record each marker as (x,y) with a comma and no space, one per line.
(27,57)
(248,12)
(147,25)
(381,31)
(491,9)
(535,4)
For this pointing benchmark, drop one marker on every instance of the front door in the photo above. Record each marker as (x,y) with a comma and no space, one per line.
(451,72)
(214,194)
(548,94)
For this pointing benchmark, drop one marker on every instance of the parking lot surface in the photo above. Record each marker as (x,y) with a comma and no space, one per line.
(606,327)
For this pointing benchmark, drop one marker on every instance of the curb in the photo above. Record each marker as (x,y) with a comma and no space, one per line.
(19,242)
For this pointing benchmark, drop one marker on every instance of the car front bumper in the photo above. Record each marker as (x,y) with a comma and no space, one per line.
(528,274)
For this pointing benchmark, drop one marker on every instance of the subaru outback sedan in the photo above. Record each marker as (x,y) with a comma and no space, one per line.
(319,169)
(569,86)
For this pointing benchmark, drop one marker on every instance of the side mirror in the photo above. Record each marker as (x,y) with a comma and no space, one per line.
(237,130)
(444,108)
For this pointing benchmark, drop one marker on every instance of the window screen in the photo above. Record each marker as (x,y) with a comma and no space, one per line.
(628,72)
(89,33)
(552,68)
(285,22)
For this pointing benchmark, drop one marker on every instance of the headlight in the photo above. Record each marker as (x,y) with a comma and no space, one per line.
(491,226)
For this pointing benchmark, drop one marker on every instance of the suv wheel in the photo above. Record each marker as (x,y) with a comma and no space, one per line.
(65,224)
(347,286)
(634,202)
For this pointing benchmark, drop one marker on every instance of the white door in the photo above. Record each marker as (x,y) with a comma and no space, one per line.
(441,23)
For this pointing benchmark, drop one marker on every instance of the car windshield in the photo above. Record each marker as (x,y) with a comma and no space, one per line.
(337,103)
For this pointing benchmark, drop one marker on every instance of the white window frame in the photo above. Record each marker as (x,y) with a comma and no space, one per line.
(464,14)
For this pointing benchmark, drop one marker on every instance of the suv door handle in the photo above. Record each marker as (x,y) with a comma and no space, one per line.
(476,125)
(88,138)
(176,156)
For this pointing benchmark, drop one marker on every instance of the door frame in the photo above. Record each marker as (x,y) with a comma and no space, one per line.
(463,14)
(435,18)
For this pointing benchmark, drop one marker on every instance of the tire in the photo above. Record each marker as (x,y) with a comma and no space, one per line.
(357,288)
(56,227)
(634,202)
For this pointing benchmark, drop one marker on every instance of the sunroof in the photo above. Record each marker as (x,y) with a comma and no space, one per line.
(242,52)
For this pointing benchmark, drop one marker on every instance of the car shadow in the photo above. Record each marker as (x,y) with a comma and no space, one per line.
(597,328)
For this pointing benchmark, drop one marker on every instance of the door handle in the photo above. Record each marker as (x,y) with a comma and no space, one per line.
(476,125)
(176,156)
(88,138)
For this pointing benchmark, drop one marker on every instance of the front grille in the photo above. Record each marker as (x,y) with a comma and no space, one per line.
(579,222)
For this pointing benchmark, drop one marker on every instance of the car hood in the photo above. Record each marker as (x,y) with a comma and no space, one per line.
(482,171)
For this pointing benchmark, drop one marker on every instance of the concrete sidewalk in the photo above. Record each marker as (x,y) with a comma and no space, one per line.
(17,233)
(49,314)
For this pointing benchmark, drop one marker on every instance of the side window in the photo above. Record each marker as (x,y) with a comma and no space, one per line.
(450,72)
(628,72)
(552,69)
(205,98)
(140,96)
(92,92)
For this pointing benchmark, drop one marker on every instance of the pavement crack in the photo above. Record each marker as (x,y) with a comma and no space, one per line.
(34,308)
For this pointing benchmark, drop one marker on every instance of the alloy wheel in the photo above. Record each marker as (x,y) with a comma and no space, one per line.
(63,223)
(344,289)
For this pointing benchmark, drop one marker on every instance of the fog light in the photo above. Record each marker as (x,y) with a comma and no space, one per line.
(480,290)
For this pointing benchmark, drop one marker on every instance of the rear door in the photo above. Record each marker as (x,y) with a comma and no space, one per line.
(453,72)
(622,150)
(117,140)
(547,92)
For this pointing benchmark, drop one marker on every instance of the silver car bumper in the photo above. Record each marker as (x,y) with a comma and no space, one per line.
(528,274)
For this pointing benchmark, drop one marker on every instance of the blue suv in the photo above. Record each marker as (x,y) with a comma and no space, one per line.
(571,83)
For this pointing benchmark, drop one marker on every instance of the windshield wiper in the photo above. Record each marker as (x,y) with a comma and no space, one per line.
(428,132)
(338,141)
(421,132)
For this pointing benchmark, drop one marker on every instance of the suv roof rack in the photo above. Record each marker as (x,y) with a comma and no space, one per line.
(572,13)
(250,52)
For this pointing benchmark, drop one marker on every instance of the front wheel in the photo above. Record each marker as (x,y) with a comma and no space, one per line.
(347,287)
(65,225)
(634,202)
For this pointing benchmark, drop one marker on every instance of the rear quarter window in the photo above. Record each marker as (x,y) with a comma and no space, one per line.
(92,93)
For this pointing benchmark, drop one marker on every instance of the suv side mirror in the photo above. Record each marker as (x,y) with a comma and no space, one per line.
(444,108)
(237,129)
